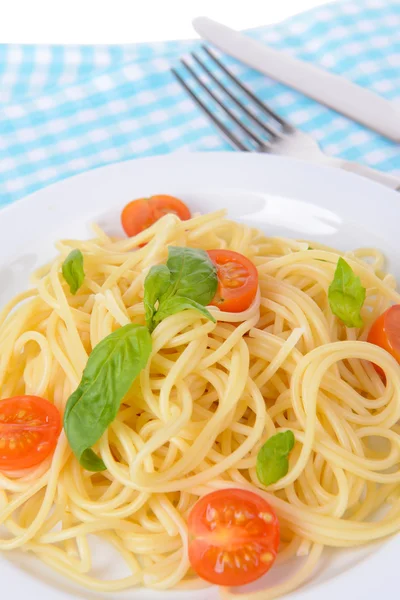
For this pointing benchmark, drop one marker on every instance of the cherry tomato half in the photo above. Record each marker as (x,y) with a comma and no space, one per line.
(29,429)
(140,214)
(385,332)
(233,537)
(237,280)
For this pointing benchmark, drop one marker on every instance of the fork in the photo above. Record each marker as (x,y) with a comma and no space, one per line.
(255,127)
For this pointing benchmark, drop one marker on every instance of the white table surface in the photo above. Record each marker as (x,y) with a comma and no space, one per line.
(127,21)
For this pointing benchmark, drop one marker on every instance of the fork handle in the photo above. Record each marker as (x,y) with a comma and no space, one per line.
(384,178)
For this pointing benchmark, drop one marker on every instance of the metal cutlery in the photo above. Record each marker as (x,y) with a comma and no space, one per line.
(249,124)
(337,92)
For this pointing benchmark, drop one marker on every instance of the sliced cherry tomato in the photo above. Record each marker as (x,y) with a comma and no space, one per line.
(385,332)
(234,537)
(29,429)
(237,280)
(140,214)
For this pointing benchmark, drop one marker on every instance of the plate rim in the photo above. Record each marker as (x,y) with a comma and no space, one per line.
(319,166)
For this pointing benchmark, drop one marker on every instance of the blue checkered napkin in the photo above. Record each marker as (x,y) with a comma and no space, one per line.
(64,110)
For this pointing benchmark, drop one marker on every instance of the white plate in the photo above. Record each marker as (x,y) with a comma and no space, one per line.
(282,196)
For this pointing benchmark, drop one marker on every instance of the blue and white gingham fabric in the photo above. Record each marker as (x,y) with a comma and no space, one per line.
(64,110)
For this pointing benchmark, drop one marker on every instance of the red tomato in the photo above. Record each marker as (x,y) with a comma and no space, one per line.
(385,332)
(140,214)
(29,429)
(237,280)
(234,537)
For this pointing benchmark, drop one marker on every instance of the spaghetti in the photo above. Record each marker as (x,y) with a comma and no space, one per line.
(209,397)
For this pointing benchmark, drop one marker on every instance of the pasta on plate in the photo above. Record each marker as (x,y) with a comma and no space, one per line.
(210,392)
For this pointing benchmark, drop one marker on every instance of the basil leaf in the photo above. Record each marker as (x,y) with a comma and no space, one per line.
(176,304)
(193,274)
(188,280)
(156,284)
(110,371)
(272,459)
(72,270)
(346,295)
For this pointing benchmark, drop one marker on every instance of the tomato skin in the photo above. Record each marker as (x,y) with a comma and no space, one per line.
(385,332)
(29,430)
(234,537)
(140,214)
(237,280)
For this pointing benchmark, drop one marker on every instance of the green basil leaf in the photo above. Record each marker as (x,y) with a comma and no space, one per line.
(156,284)
(110,371)
(90,461)
(72,270)
(193,274)
(175,304)
(346,295)
(272,459)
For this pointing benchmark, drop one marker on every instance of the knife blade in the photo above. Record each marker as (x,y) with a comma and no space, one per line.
(334,91)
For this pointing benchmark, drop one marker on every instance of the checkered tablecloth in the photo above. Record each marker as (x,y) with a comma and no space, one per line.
(67,109)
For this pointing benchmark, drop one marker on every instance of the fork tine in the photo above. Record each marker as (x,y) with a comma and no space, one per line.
(267,128)
(236,143)
(260,143)
(285,124)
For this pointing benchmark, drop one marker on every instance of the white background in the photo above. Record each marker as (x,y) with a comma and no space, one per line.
(127,21)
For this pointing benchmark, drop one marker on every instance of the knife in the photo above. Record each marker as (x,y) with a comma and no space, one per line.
(329,89)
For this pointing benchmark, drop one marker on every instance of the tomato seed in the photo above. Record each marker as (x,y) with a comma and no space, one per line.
(211,513)
(240,517)
(228,514)
(226,559)
(238,562)
(266,557)
(267,517)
